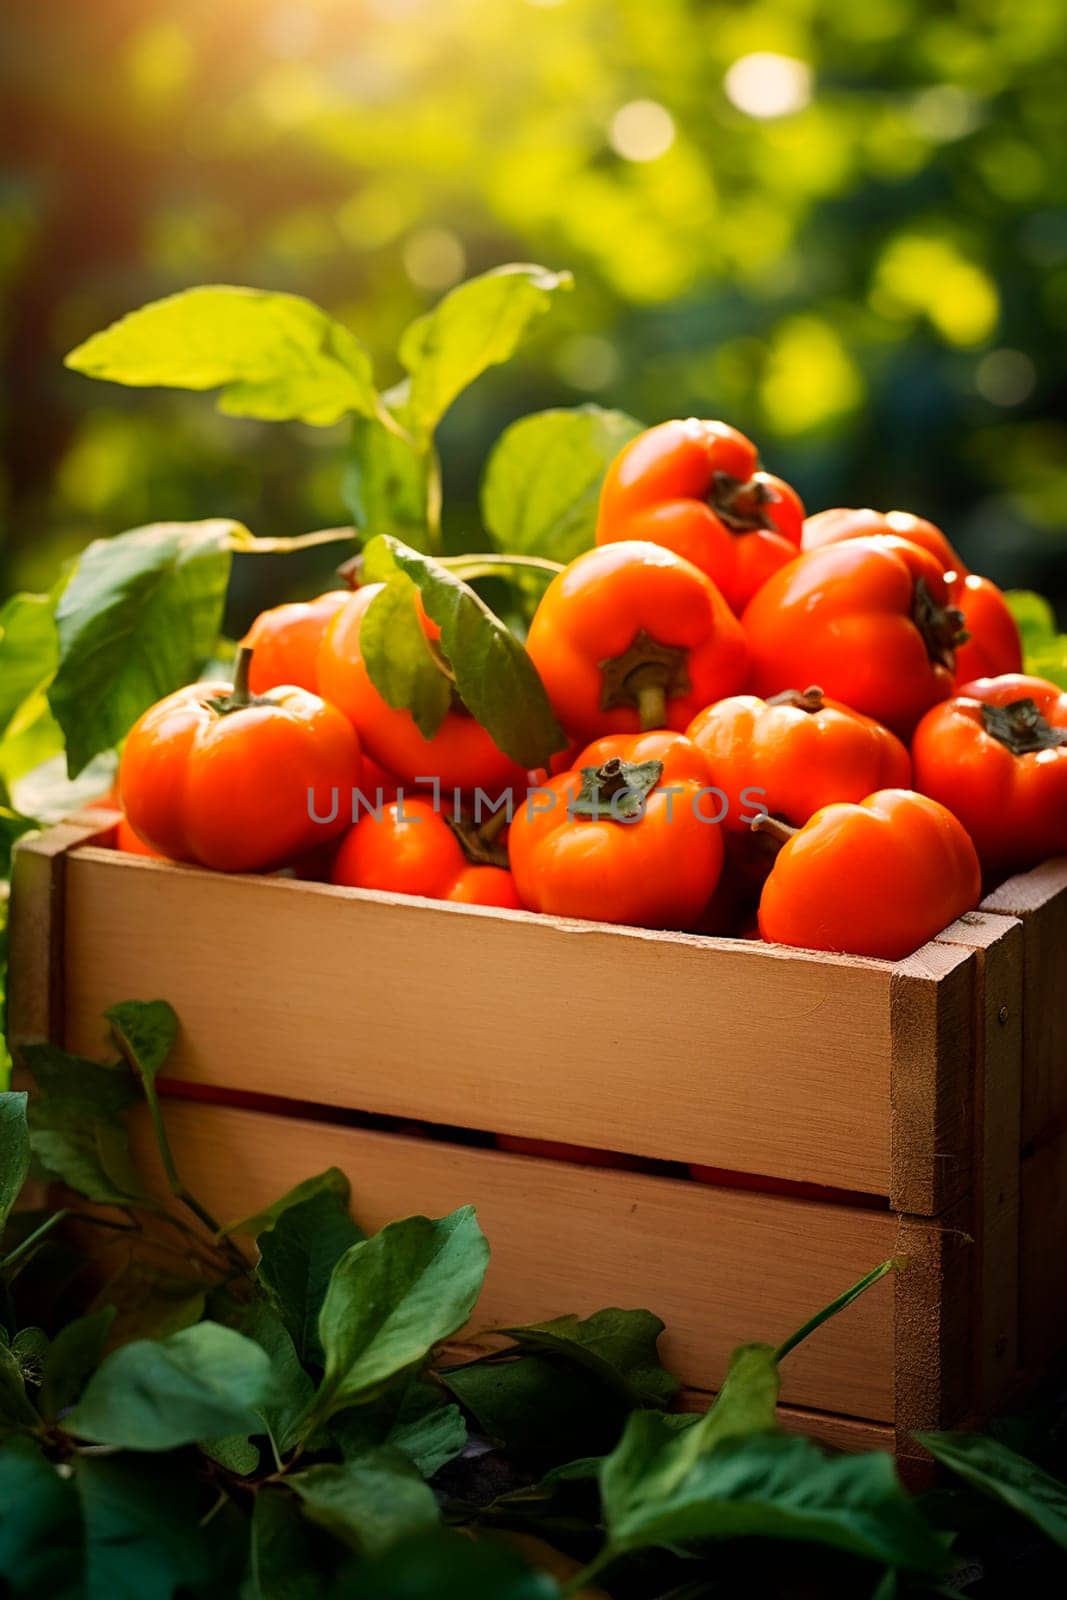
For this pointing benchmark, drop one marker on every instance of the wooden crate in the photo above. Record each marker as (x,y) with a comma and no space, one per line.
(857,1109)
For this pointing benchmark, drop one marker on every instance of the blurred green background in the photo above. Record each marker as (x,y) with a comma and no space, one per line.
(842,227)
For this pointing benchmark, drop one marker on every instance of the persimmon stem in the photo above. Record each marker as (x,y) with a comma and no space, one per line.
(809,699)
(493,826)
(775,828)
(651,706)
(242,666)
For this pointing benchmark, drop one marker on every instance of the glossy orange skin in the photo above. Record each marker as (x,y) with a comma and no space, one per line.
(658,871)
(286,642)
(461,755)
(994,645)
(411,849)
(232,791)
(660,487)
(798,760)
(1013,806)
(844,522)
(841,616)
(593,611)
(130,843)
(875,879)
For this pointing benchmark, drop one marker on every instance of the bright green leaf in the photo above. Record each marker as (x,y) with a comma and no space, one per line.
(1003,1475)
(385,483)
(274,356)
(392,1298)
(72,1357)
(44,791)
(201,1383)
(398,656)
(290,1387)
(236,1453)
(29,652)
(297,1254)
(369,1502)
(1044,647)
(495,677)
(14,1151)
(478,325)
(137,620)
(619,1347)
(542,481)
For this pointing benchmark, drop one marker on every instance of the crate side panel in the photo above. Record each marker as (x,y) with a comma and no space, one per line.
(721,1267)
(752,1059)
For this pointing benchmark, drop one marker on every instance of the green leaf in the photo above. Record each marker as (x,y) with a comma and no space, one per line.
(332,1181)
(369,1502)
(15,1409)
(767,1485)
(296,1257)
(29,652)
(1003,1475)
(29,1348)
(143,1539)
(476,326)
(41,1541)
(1044,647)
(392,1298)
(149,1302)
(542,482)
(147,1029)
(541,1410)
(290,1387)
(495,677)
(236,1453)
(412,1417)
(288,1557)
(746,1403)
(201,1383)
(399,659)
(450,1566)
(617,1346)
(72,1357)
(274,356)
(14,1151)
(385,484)
(45,792)
(76,1129)
(137,620)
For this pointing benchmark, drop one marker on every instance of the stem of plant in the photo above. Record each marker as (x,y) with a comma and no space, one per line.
(300,541)
(489,565)
(835,1306)
(775,828)
(434,497)
(30,1242)
(652,706)
(595,1567)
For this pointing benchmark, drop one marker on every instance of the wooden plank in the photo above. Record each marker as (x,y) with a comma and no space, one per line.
(35,924)
(933,1319)
(1039,900)
(998,946)
(751,1058)
(721,1267)
(931,1093)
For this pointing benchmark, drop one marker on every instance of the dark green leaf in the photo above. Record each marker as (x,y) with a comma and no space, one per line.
(142,1535)
(147,1030)
(297,1255)
(16,1412)
(1003,1475)
(542,1410)
(236,1453)
(137,620)
(89,1088)
(288,1557)
(746,1403)
(399,659)
(73,1356)
(290,1387)
(392,1298)
(275,356)
(385,483)
(29,1348)
(768,1485)
(41,1542)
(29,651)
(449,1566)
(415,1418)
(149,1302)
(542,482)
(14,1151)
(368,1502)
(76,1127)
(616,1346)
(201,1383)
(478,325)
(495,677)
(332,1180)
